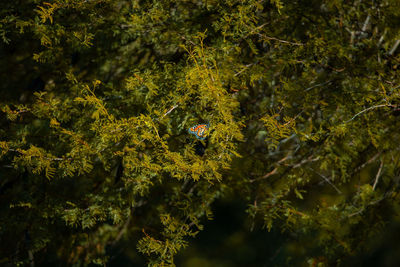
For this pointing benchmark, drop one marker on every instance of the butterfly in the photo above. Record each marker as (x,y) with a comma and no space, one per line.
(200,131)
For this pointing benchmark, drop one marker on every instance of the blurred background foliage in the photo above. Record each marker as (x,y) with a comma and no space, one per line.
(300,166)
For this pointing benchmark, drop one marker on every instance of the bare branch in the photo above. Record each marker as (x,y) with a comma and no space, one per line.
(169,111)
(370,204)
(253,30)
(366,23)
(309,159)
(245,68)
(367,109)
(320,84)
(394,48)
(270,173)
(279,40)
(368,162)
(382,38)
(327,180)
(378,175)
(274,170)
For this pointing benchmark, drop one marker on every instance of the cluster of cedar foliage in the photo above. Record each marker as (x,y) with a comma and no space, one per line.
(97,96)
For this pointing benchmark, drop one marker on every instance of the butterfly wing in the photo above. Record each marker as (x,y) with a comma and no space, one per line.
(199,131)
(193,129)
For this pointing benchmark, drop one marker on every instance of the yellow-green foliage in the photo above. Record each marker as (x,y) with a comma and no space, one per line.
(277,131)
(301,98)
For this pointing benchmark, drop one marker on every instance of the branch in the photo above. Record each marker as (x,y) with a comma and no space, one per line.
(320,84)
(253,30)
(309,159)
(367,109)
(369,204)
(279,40)
(327,180)
(126,224)
(378,175)
(122,231)
(382,38)
(274,170)
(169,111)
(366,23)
(269,174)
(57,159)
(394,48)
(368,162)
(245,68)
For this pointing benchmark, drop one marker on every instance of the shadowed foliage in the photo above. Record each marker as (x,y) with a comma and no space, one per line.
(300,164)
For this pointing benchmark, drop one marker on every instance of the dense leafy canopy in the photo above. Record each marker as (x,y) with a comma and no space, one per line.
(302,99)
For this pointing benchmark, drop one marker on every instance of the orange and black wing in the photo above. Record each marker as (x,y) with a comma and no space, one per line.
(200,131)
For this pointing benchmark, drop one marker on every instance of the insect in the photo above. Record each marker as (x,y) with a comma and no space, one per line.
(200,131)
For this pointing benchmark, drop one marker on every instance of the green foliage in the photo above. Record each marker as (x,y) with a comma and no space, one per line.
(302,99)
(174,233)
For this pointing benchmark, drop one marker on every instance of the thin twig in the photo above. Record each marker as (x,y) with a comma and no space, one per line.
(369,204)
(253,30)
(378,175)
(327,180)
(309,159)
(394,48)
(367,109)
(265,176)
(122,231)
(355,213)
(280,40)
(288,156)
(269,174)
(382,38)
(394,88)
(320,84)
(368,162)
(366,23)
(169,111)
(184,38)
(8,166)
(245,68)
(15,150)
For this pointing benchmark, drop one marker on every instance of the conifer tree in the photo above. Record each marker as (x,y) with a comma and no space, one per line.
(301,99)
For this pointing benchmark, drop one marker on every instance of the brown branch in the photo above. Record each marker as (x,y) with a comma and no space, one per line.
(309,159)
(273,171)
(270,173)
(279,40)
(368,162)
